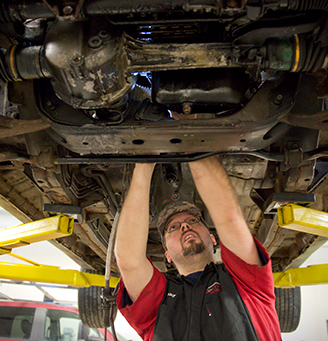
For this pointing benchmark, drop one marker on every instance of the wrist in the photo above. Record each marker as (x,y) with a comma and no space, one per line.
(204,165)
(144,170)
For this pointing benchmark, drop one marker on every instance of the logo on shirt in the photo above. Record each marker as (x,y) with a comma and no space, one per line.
(171,295)
(215,287)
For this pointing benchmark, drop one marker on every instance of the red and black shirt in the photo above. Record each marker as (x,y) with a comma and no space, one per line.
(234,301)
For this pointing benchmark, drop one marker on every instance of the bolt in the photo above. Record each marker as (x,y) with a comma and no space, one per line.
(278,100)
(77,60)
(68,10)
(51,106)
(236,50)
(94,42)
(104,35)
(272,175)
(186,108)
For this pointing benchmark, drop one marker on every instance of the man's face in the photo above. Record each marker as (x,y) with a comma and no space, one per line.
(186,236)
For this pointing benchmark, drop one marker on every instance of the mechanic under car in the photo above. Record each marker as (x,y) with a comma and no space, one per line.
(89,88)
(231,301)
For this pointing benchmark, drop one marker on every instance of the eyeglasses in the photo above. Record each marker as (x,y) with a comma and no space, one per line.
(177,225)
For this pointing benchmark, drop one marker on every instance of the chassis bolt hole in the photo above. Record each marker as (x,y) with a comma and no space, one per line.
(85,143)
(175,141)
(139,142)
(242,140)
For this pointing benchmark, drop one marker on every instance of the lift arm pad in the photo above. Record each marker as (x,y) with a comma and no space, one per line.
(36,231)
(311,275)
(303,219)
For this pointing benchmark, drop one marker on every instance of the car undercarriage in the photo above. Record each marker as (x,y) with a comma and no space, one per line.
(89,88)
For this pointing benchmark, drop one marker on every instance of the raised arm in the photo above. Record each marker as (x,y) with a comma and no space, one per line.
(132,233)
(215,189)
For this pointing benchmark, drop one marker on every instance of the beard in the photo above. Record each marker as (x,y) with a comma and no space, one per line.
(193,248)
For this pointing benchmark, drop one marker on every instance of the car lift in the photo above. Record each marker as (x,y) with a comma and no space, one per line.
(41,230)
(290,216)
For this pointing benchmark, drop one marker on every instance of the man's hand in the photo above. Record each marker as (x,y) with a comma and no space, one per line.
(215,189)
(132,232)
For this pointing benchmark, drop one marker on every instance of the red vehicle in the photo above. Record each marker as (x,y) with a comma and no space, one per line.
(44,321)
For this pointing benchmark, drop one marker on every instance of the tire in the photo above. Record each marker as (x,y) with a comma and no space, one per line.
(288,306)
(90,304)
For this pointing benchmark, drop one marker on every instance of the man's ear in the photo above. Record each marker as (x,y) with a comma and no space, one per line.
(169,259)
(213,239)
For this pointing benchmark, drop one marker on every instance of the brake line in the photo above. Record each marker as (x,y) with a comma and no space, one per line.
(108,294)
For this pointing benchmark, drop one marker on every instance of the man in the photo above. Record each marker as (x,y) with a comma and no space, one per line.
(234,301)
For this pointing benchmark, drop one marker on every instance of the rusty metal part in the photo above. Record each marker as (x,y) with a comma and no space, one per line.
(307,111)
(318,120)
(140,56)
(12,156)
(10,127)
(49,181)
(65,10)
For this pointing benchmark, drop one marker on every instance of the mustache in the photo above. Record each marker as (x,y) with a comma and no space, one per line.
(184,233)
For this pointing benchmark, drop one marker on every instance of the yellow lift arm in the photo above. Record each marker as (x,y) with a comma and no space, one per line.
(290,216)
(313,274)
(303,219)
(54,275)
(39,230)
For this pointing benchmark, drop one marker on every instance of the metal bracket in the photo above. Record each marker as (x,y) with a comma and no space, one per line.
(76,212)
(294,155)
(277,200)
(64,10)
(10,127)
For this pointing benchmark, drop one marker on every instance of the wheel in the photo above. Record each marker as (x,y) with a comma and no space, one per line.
(90,304)
(288,306)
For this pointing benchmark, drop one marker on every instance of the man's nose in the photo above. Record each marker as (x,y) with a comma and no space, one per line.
(185,226)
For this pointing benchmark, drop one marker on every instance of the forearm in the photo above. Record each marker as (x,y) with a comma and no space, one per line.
(216,191)
(133,225)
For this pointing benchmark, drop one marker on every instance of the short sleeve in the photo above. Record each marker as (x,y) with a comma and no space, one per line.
(252,278)
(142,314)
